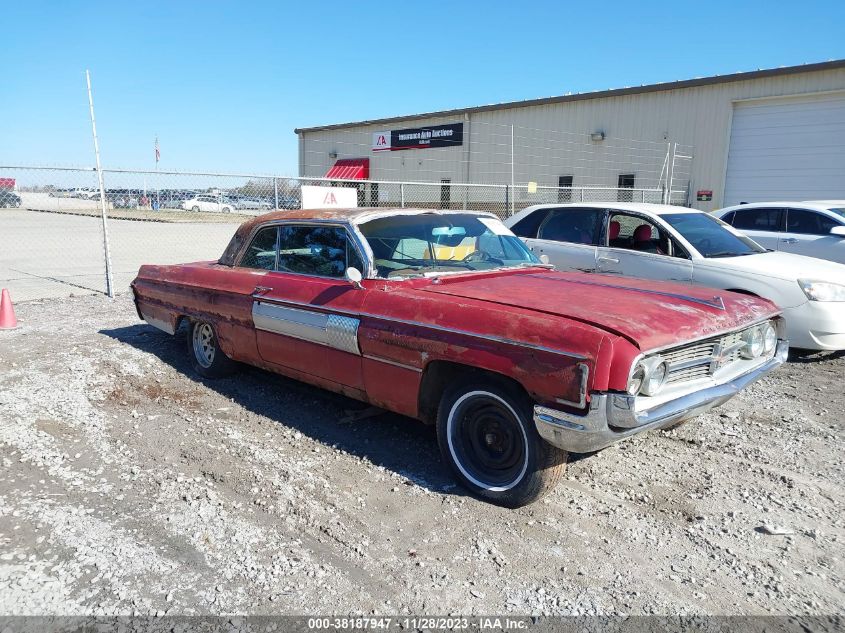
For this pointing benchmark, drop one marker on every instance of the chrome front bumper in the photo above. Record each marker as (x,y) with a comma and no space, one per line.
(612,417)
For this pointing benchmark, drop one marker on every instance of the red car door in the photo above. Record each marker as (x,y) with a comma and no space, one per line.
(306,314)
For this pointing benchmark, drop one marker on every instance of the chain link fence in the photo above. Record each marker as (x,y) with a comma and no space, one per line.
(53,235)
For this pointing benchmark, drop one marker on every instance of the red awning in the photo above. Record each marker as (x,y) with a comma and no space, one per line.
(350,169)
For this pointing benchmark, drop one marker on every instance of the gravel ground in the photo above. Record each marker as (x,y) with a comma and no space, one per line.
(128,486)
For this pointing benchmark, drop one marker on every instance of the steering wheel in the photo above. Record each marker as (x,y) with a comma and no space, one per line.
(482,256)
(703,244)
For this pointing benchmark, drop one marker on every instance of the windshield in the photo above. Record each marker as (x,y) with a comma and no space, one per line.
(838,211)
(710,236)
(406,245)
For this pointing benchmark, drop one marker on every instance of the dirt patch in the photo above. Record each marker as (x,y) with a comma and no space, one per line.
(128,485)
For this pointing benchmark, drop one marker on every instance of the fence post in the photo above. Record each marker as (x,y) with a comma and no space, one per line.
(671,176)
(106,253)
(402,193)
(276,192)
(513,181)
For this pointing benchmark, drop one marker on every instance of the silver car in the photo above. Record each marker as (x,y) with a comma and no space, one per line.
(815,228)
(244,204)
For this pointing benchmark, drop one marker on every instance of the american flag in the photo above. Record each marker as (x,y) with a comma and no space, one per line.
(158,153)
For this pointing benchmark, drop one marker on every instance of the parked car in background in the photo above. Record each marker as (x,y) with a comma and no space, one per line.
(447,317)
(9,199)
(206,202)
(815,228)
(678,244)
(125,201)
(290,202)
(85,194)
(251,204)
(173,198)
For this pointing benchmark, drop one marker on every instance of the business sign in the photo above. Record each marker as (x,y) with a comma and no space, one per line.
(328,197)
(704,195)
(449,135)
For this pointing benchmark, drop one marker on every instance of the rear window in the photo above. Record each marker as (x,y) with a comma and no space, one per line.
(576,226)
(763,219)
(529,225)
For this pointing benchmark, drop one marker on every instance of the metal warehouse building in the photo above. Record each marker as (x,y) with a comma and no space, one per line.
(713,141)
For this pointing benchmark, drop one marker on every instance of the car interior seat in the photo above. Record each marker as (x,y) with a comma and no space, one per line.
(613,233)
(643,240)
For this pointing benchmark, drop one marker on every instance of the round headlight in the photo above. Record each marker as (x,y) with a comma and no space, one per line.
(637,379)
(753,339)
(770,338)
(656,377)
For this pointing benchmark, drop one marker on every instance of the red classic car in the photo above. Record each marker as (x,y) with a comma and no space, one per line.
(447,317)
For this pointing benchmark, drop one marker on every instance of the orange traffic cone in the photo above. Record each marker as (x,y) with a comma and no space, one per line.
(8,321)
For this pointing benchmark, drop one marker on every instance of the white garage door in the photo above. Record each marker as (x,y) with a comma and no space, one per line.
(787,149)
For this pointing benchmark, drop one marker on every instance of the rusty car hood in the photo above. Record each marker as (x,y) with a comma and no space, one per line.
(650,314)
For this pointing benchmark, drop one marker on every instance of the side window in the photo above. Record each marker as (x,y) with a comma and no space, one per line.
(325,251)
(762,219)
(729,218)
(529,225)
(577,226)
(261,252)
(634,233)
(808,222)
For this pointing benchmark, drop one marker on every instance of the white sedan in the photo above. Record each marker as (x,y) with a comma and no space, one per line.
(815,228)
(206,202)
(679,244)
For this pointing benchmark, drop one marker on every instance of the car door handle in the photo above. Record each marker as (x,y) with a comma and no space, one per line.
(608,260)
(789,240)
(261,290)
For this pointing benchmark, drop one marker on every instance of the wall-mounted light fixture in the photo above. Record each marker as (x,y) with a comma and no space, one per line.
(597,136)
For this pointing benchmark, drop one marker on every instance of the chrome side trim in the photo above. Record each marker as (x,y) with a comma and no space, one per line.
(379,359)
(342,333)
(429,326)
(331,330)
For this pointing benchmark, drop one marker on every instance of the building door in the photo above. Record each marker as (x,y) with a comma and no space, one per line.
(787,149)
(625,182)
(445,193)
(564,192)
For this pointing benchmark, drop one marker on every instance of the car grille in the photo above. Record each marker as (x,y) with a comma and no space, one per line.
(704,358)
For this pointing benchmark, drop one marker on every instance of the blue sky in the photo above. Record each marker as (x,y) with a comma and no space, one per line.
(223,84)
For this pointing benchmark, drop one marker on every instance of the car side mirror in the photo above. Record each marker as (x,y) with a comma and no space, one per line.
(838,231)
(544,258)
(354,277)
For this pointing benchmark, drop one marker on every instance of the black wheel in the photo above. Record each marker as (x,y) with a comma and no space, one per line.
(207,358)
(486,434)
(195,208)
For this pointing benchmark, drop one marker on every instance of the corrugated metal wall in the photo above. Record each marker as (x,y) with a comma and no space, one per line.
(553,139)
